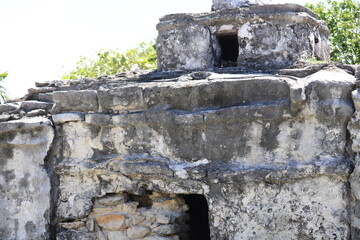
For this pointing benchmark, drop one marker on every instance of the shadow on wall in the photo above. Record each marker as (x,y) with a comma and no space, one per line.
(199,217)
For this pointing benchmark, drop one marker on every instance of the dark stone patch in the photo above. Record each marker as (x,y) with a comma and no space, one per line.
(6,152)
(296,134)
(357,209)
(355,233)
(269,136)
(24,182)
(95,130)
(9,175)
(75,235)
(30,229)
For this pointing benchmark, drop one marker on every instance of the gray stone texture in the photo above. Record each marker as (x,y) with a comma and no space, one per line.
(229,4)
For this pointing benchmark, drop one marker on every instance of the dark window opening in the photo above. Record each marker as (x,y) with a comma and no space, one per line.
(199,217)
(229,50)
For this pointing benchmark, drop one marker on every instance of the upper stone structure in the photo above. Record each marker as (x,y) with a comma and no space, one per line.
(252,37)
(228,4)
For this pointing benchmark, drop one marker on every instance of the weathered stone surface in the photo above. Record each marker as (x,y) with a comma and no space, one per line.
(4,118)
(36,113)
(192,49)
(72,225)
(112,222)
(143,167)
(67,117)
(32,105)
(137,232)
(113,200)
(171,229)
(25,185)
(75,207)
(75,235)
(82,101)
(9,107)
(116,235)
(304,209)
(273,45)
(121,99)
(228,4)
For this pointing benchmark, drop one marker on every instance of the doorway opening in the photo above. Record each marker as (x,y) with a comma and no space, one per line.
(199,217)
(229,46)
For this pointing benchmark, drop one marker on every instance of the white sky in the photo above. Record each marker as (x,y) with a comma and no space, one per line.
(40,40)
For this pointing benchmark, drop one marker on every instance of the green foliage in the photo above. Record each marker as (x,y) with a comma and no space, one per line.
(343,20)
(111,62)
(3,95)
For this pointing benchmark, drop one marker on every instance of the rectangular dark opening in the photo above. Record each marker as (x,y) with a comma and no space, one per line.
(229,46)
(198,217)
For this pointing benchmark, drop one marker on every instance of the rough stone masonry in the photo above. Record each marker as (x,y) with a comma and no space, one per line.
(222,147)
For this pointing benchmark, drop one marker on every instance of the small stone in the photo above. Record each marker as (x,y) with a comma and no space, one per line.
(113,200)
(135,220)
(41,90)
(74,235)
(36,113)
(137,232)
(112,222)
(47,97)
(76,207)
(67,117)
(199,75)
(90,224)
(101,235)
(72,225)
(163,219)
(171,204)
(8,107)
(98,119)
(171,229)
(117,235)
(127,208)
(31,105)
(4,118)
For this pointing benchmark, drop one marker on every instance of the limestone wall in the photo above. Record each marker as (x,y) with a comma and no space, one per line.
(115,158)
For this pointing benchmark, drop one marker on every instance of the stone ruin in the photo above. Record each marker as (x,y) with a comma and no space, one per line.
(234,137)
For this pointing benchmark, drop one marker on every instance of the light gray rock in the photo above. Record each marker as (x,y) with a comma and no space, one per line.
(137,232)
(36,113)
(24,183)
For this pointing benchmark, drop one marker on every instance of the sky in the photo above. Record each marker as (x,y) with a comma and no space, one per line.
(41,40)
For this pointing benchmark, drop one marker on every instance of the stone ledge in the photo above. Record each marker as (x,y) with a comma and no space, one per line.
(23,124)
(280,173)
